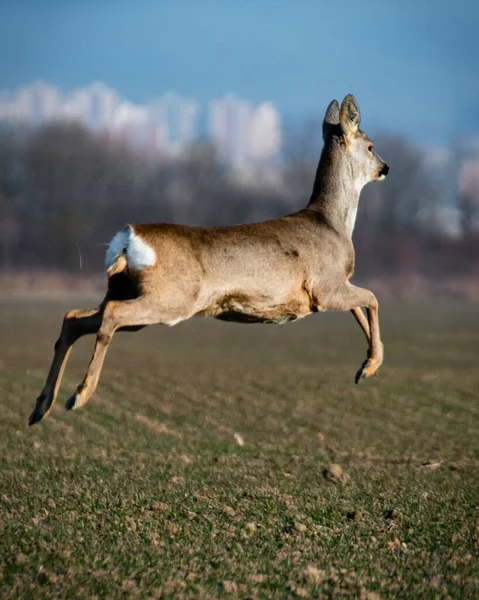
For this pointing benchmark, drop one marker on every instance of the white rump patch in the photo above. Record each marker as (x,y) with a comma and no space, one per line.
(138,253)
(117,246)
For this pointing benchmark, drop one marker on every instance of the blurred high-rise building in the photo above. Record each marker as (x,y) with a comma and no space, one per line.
(242,133)
(176,117)
(167,124)
(245,135)
(94,105)
(229,128)
(35,103)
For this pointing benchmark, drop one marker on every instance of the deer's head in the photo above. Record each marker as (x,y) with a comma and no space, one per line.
(341,127)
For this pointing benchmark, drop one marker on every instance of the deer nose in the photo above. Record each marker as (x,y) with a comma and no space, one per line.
(384,170)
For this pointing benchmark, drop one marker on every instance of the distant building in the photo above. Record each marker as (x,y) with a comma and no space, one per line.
(229,128)
(36,103)
(469,194)
(176,117)
(94,105)
(247,137)
(244,134)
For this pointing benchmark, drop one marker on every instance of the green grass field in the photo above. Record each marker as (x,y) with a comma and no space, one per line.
(198,468)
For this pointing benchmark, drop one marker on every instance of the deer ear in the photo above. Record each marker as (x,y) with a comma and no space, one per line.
(349,115)
(331,117)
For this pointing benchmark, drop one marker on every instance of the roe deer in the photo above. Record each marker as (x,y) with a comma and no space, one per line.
(271,272)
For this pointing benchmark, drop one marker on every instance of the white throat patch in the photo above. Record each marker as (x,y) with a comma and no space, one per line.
(351,219)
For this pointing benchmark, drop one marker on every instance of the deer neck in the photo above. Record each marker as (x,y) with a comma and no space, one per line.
(336,191)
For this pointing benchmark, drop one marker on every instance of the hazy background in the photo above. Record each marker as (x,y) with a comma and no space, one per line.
(211,113)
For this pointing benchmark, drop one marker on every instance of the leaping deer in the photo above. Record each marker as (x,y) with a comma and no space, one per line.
(271,272)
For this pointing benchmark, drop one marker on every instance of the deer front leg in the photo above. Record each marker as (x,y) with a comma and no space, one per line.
(376,347)
(363,322)
(352,298)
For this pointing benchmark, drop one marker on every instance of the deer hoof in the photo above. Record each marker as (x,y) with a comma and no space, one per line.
(73,402)
(360,375)
(368,369)
(36,416)
(40,410)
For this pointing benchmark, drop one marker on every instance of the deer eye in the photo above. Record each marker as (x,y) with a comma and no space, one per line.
(370,148)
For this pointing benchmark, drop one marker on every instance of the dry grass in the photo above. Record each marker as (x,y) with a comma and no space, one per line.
(236,461)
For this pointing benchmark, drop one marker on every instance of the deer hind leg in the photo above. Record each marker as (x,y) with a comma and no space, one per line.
(127,315)
(351,298)
(76,324)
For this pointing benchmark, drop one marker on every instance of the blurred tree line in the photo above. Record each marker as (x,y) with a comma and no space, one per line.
(64,191)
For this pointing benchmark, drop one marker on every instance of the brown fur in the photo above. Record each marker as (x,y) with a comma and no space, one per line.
(272,272)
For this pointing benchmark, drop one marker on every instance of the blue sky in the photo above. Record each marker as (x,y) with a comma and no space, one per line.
(413,65)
